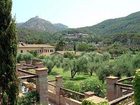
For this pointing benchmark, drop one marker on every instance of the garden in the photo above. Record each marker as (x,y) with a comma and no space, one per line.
(88,71)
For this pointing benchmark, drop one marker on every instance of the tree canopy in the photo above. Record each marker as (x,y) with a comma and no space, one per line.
(8,51)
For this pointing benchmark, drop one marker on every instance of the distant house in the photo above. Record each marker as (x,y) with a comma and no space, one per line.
(39,48)
(76,36)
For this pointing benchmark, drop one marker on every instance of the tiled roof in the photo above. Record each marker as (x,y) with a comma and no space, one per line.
(35,45)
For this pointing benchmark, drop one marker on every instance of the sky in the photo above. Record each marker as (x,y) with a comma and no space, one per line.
(74,13)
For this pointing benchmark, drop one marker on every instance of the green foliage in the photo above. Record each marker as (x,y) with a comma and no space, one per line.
(69,55)
(85,47)
(91,84)
(123,30)
(71,65)
(72,86)
(49,64)
(41,56)
(128,24)
(8,51)
(19,57)
(137,87)
(136,61)
(104,71)
(106,56)
(33,36)
(123,65)
(101,64)
(94,60)
(27,56)
(93,67)
(53,60)
(34,53)
(66,64)
(87,102)
(116,49)
(29,99)
(94,85)
(24,56)
(60,45)
(82,63)
(5,98)
(76,65)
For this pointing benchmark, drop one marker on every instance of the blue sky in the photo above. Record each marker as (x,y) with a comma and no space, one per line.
(74,13)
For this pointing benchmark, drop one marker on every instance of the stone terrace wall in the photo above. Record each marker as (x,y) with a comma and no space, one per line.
(63,100)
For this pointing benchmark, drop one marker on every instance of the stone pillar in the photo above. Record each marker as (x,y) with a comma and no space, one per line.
(119,91)
(59,84)
(111,88)
(39,64)
(89,94)
(42,85)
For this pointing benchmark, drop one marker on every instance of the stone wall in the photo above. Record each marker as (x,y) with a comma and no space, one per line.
(63,100)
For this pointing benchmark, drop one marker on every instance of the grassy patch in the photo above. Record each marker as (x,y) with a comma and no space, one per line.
(66,76)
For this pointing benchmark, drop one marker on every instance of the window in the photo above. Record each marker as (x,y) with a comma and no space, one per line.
(21,51)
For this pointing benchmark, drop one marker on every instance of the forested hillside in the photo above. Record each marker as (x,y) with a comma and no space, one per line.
(128,24)
(37,30)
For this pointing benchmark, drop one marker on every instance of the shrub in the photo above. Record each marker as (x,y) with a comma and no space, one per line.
(42,56)
(137,87)
(19,57)
(86,102)
(104,71)
(34,53)
(29,98)
(94,85)
(85,47)
(27,56)
(24,56)
(136,61)
(69,55)
(106,56)
(72,86)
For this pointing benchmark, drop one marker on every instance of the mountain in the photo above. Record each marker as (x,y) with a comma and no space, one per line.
(128,24)
(40,25)
(60,26)
(37,30)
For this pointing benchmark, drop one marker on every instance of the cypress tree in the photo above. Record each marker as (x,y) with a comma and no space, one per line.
(8,51)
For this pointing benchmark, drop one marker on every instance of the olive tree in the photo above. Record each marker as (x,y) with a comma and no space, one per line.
(53,60)
(70,65)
